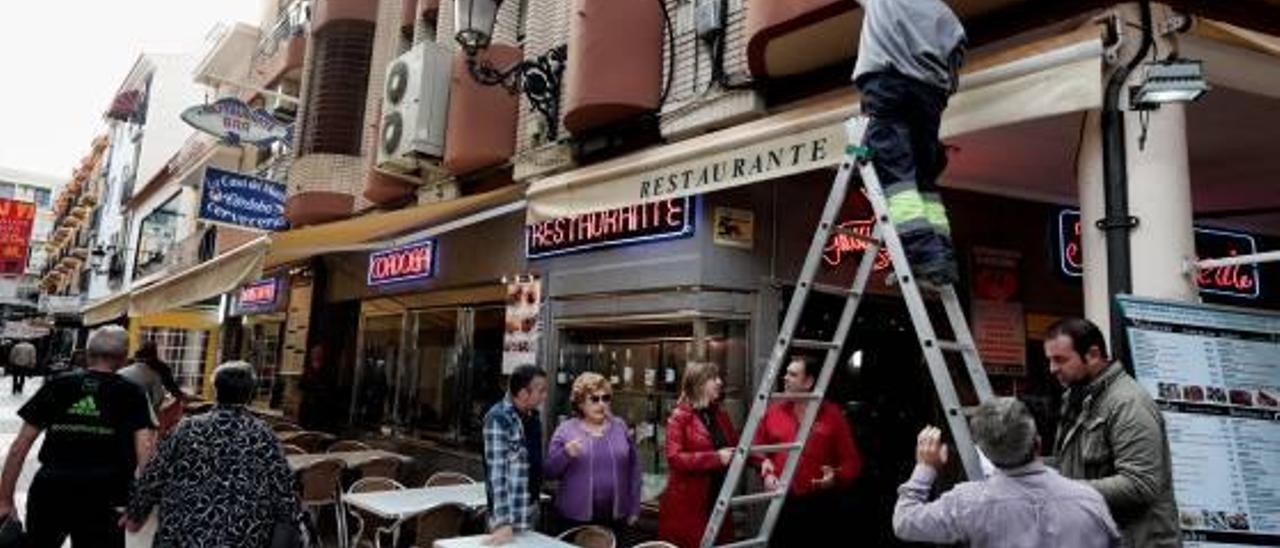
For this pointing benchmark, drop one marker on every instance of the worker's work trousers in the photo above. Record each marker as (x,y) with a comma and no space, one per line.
(908,157)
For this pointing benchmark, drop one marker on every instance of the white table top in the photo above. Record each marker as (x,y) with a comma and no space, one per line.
(350,458)
(522,540)
(404,503)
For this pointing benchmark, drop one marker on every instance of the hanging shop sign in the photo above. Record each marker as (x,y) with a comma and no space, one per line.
(523,329)
(407,263)
(648,222)
(259,296)
(16,219)
(234,122)
(1240,281)
(243,201)
(999,321)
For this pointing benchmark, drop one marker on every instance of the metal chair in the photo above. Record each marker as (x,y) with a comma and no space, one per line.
(381,467)
(282,427)
(589,536)
(290,449)
(441,522)
(442,479)
(313,442)
(347,445)
(320,486)
(655,544)
(369,485)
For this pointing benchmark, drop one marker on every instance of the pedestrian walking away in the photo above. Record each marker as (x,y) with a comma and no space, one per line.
(595,461)
(909,55)
(699,447)
(1022,504)
(156,378)
(220,479)
(22,364)
(513,455)
(828,465)
(1111,434)
(98,432)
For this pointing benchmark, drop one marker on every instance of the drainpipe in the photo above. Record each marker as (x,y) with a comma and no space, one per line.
(1118,222)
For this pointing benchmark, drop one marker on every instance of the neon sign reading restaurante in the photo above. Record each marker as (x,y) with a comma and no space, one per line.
(406,263)
(631,224)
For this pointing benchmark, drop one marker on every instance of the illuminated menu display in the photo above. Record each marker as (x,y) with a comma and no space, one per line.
(660,220)
(411,262)
(259,295)
(1235,281)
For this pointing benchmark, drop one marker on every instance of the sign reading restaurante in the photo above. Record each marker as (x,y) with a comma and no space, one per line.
(1233,281)
(625,225)
(414,261)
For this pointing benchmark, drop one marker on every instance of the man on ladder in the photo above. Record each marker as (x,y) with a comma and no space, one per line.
(911,51)
(908,59)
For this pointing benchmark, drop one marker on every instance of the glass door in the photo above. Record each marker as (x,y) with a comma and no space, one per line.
(380,351)
(428,391)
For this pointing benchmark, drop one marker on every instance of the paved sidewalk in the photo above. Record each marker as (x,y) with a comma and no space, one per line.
(9,426)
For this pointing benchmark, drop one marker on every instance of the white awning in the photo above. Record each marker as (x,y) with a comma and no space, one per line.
(222,274)
(1049,78)
(105,310)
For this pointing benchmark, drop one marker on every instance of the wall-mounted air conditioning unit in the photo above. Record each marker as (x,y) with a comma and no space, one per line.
(415,107)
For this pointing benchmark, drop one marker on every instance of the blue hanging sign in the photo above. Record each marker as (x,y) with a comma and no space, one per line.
(242,200)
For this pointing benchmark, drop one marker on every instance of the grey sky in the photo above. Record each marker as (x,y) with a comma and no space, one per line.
(62,61)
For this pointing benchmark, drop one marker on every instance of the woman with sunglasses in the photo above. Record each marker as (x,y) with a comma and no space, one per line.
(595,460)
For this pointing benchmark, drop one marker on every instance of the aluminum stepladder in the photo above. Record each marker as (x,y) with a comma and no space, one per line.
(883,235)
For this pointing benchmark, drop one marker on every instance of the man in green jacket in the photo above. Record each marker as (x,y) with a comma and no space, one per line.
(1111,434)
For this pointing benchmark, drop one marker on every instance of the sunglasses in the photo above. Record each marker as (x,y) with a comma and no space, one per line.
(606,398)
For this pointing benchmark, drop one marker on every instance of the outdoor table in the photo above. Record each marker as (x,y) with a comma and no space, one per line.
(403,504)
(350,459)
(522,540)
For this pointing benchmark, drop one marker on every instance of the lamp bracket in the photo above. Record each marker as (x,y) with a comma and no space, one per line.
(539,78)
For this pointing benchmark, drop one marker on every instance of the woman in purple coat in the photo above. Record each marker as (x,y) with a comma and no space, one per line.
(595,460)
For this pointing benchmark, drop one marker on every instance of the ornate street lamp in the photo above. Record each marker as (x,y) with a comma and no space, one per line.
(538,78)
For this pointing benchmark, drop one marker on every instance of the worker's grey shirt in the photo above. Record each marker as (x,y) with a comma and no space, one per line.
(149,380)
(920,39)
(1028,507)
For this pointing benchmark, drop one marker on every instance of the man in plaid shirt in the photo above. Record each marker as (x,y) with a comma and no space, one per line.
(513,454)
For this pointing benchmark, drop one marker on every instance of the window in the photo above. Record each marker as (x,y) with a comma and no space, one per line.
(43,198)
(157,235)
(184,351)
(7,190)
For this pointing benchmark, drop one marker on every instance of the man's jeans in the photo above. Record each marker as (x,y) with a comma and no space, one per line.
(908,158)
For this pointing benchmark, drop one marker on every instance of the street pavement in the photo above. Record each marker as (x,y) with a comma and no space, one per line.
(9,426)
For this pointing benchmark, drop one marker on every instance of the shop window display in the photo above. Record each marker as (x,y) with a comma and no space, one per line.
(644,363)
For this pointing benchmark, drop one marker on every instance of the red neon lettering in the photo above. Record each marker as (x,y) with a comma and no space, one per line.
(1227,278)
(675,213)
(841,244)
(402,263)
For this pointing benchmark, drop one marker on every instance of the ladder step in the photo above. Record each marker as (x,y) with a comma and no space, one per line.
(953,346)
(754,498)
(776,447)
(758,541)
(833,290)
(796,396)
(854,234)
(809,344)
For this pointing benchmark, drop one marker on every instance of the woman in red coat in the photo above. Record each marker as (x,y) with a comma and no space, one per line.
(700,443)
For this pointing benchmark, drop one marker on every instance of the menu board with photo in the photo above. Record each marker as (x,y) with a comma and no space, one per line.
(520,339)
(1215,372)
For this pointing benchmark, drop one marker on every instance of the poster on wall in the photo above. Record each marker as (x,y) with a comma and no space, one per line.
(16,219)
(520,339)
(999,322)
(1215,373)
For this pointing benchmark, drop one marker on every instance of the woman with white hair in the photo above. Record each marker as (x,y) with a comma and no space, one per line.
(220,479)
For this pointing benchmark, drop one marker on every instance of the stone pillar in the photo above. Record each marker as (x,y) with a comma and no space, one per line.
(1093,240)
(1160,191)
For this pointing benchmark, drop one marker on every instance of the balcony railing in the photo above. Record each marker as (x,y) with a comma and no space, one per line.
(292,20)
